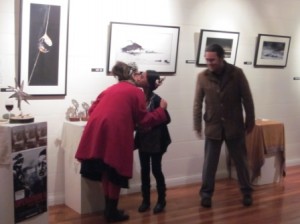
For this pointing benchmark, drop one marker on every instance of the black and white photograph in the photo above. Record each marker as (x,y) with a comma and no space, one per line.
(225,43)
(30,182)
(30,136)
(41,134)
(272,51)
(18,138)
(149,46)
(228,40)
(43,46)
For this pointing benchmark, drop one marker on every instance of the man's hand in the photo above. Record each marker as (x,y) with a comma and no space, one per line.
(199,135)
(249,127)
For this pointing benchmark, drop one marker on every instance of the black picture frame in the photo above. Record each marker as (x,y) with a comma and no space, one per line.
(272,51)
(43,47)
(151,47)
(227,39)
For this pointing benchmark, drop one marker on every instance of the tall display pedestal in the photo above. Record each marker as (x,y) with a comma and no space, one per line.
(82,195)
(23,173)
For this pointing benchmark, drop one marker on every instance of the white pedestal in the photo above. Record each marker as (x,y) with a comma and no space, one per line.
(42,218)
(7,195)
(82,195)
(270,171)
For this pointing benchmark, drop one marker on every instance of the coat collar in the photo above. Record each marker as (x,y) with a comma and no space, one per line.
(226,75)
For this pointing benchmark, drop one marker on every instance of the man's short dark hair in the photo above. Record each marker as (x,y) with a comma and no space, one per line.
(216,48)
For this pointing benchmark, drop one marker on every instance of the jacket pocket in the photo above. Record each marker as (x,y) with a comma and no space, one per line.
(208,116)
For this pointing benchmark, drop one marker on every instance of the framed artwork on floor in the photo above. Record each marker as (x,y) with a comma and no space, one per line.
(151,47)
(228,40)
(43,46)
(272,51)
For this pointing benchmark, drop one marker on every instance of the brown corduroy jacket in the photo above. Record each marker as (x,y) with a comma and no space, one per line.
(224,103)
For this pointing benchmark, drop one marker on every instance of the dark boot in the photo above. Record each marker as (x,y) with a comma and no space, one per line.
(146,199)
(159,207)
(161,202)
(112,214)
(106,206)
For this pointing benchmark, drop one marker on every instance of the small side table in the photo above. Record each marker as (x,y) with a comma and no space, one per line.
(266,152)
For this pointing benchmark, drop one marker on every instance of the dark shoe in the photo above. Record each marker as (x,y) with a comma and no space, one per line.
(107,206)
(159,207)
(247,200)
(144,207)
(206,202)
(121,211)
(112,214)
(117,217)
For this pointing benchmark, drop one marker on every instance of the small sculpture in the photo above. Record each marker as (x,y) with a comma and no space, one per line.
(70,113)
(76,105)
(20,96)
(73,113)
(86,108)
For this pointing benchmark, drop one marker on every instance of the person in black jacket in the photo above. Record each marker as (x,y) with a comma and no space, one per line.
(152,144)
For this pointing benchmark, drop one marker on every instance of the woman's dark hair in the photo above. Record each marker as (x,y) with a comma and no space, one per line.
(152,76)
(216,48)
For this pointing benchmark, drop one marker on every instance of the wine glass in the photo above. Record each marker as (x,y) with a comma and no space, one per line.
(9,105)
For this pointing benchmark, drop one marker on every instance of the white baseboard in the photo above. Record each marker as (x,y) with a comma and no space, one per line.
(293,162)
(171,182)
(56,199)
(59,198)
(175,182)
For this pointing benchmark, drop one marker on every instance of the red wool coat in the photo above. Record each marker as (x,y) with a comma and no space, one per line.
(108,134)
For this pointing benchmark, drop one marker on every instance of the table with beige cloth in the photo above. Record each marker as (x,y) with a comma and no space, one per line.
(266,139)
(265,146)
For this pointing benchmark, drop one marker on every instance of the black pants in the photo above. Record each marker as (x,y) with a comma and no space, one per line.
(237,151)
(148,160)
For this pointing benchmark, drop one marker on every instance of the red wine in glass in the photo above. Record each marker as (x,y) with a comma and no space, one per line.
(9,105)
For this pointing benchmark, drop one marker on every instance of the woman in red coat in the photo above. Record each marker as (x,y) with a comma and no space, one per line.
(107,143)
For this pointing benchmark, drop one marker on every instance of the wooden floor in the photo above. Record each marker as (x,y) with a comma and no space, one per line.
(273,204)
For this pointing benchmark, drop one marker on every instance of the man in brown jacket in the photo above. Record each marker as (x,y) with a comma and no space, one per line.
(225,92)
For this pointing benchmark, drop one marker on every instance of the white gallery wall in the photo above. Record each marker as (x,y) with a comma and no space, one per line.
(276,94)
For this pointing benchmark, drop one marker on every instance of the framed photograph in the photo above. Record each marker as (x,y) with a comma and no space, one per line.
(228,40)
(43,46)
(272,51)
(151,47)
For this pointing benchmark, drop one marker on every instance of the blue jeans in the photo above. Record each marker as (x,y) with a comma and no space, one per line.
(237,152)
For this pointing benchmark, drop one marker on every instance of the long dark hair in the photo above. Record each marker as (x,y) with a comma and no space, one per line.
(154,80)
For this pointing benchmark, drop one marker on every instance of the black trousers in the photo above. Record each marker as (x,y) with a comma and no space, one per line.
(148,161)
(237,151)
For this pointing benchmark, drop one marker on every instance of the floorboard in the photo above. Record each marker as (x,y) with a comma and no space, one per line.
(273,203)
